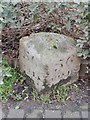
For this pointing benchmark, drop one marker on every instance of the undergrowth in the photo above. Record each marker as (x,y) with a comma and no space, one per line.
(56,94)
(10,77)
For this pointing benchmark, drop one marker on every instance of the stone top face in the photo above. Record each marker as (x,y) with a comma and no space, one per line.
(48,45)
(48,57)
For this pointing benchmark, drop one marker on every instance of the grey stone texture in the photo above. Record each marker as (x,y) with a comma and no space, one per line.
(45,113)
(1,111)
(52,114)
(70,114)
(84,114)
(49,58)
(35,114)
(16,113)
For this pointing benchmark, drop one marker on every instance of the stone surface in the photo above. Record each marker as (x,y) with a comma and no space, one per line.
(52,114)
(70,114)
(84,114)
(35,114)
(3,115)
(49,58)
(16,113)
(0,111)
(44,113)
(88,115)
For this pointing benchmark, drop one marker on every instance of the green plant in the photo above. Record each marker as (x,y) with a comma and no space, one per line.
(84,48)
(61,92)
(10,77)
(83,44)
(35,94)
(8,15)
(45,98)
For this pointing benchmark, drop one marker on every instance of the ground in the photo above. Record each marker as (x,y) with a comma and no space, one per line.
(76,106)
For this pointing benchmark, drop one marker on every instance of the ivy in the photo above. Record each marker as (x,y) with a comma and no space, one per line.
(84,44)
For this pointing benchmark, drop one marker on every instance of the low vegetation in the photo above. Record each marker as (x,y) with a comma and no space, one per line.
(10,77)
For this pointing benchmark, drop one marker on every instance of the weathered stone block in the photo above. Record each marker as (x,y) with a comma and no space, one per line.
(48,58)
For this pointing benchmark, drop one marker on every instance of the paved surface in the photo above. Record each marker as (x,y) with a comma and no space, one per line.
(32,110)
(0,111)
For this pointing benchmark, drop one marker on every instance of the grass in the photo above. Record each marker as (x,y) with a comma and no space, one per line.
(10,77)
